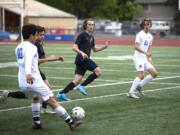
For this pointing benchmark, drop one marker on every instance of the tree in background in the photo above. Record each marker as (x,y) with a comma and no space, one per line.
(106,9)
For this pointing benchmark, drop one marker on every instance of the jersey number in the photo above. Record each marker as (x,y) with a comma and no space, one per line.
(146,42)
(19,53)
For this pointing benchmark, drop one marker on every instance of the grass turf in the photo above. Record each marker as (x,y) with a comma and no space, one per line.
(108,110)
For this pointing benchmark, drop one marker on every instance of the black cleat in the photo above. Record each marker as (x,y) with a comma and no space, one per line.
(73,125)
(36,126)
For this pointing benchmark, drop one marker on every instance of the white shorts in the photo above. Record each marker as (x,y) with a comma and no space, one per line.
(38,88)
(142,65)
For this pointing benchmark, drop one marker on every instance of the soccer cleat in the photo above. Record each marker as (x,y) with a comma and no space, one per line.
(73,125)
(46,111)
(82,89)
(140,90)
(4,95)
(62,97)
(132,95)
(36,126)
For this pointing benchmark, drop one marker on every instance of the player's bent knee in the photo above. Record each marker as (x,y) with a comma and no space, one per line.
(52,102)
(99,74)
(76,82)
(36,100)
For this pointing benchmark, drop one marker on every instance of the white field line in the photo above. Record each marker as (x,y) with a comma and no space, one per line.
(8,64)
(165,83)
(14,64)
(61,78)
(60,87)
(109,70)
(123,63)
(97,97)
(118,83)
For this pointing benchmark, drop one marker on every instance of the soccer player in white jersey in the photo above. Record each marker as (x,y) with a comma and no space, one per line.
(30,80)
(142,59)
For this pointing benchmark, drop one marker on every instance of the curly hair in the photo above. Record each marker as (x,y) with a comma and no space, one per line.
(143,22)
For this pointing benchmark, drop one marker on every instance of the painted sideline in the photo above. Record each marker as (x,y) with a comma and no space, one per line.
(98,97)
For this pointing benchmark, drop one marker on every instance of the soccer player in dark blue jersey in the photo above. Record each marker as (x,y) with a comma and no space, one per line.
(83,45)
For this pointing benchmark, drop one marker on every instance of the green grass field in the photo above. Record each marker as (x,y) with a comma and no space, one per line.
(108,110)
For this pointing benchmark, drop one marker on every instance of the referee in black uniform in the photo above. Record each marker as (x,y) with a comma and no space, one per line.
(83,45)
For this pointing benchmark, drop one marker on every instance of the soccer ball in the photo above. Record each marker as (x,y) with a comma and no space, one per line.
(78,113)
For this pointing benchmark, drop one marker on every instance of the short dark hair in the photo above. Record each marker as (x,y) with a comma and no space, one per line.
(143,22)
(40,29)
(85,22)
(27,30)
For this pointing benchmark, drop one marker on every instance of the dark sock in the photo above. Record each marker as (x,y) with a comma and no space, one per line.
(90,78)
(69,87)
(17,94)
(44,105)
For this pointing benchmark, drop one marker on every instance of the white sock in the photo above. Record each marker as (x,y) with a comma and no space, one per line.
(36,112)
(135,84)
(62,113)
(146,80)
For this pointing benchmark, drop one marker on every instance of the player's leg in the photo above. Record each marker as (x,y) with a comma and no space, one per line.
(62,95)
(153,74)
(16,94)
(44,109)
(36,113)
(135,84)
(91,66)
(79,73)
(139,65)
(61,111)
(96,73)
(44,104)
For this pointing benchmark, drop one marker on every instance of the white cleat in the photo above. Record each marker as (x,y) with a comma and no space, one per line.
(46,111)
(132,95)
(140,90)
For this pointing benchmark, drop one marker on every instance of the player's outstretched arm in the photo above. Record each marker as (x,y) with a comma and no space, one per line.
(107,43)
(51,58)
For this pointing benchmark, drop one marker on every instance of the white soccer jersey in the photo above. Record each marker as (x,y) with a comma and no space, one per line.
(27,58)
(144,40)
